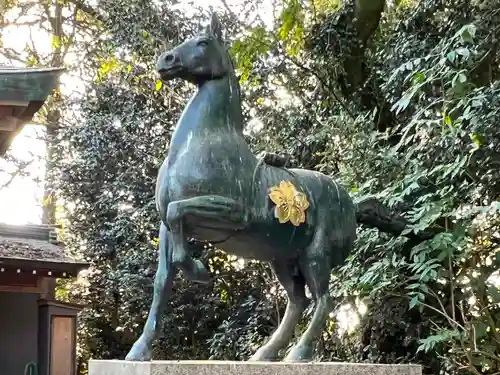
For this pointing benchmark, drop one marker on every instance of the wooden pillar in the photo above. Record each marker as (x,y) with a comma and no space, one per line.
(57,338)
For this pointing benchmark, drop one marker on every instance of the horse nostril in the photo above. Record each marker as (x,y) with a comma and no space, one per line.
(169,58)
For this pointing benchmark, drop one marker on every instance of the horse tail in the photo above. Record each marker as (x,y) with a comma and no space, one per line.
(374,214)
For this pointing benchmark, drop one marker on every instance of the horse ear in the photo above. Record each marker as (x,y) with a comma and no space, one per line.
(216,27)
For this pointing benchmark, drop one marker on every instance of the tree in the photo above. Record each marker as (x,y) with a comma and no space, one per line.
(54,29)
(106,164)
(427,64)
(399,102)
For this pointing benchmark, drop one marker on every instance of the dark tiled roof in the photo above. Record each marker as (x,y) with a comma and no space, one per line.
(22,248)
(35,247)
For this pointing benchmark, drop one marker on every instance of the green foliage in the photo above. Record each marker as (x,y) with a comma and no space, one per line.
(431,164)
(106,164)
(408,114)
(246,51)
(291,32)
(430,86)
(325,6)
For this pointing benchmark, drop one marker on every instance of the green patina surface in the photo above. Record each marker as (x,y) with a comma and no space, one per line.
(27,84)
(23,91)
(212,188)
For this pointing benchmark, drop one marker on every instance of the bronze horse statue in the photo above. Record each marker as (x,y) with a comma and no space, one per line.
(212,188)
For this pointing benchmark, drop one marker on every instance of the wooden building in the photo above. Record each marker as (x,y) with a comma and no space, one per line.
(35,329)
(37,332)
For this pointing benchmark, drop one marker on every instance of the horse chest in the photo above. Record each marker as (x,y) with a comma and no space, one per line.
(200,167)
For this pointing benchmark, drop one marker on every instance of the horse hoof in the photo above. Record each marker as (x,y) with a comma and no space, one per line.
(140,352)
(201,274)
(300,354)
(263,355)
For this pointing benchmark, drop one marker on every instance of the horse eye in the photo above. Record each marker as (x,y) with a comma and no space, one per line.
(203,43)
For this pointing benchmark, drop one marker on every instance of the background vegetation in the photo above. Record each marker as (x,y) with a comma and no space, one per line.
(399,100)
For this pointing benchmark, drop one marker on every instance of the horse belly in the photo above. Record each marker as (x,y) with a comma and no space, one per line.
(270,242)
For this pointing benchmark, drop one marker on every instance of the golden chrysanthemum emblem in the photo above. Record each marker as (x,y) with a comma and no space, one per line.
(291,204)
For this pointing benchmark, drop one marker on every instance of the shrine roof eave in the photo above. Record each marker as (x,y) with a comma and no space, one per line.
(23,92)
(35,249)
(27,84)
(46,268)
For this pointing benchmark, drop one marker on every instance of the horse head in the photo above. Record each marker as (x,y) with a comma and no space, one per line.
(199,59)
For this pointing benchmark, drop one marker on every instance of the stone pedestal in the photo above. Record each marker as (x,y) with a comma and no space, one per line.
(246,368)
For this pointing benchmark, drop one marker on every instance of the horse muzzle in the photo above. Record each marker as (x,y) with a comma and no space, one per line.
(168,66)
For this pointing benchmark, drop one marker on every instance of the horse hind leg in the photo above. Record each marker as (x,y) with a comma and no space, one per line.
(315,265)
(294,284)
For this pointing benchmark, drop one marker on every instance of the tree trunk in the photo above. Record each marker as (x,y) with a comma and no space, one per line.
(53,116)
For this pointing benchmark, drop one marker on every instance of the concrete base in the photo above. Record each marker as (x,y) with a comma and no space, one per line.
(246,368)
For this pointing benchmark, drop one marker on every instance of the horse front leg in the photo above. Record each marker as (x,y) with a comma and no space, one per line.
(218,211)
(142,348)
(192,269)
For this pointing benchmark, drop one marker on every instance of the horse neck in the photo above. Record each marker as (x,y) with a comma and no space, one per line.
(219,99)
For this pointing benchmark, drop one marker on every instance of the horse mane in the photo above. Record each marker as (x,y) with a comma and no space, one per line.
(233,71)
